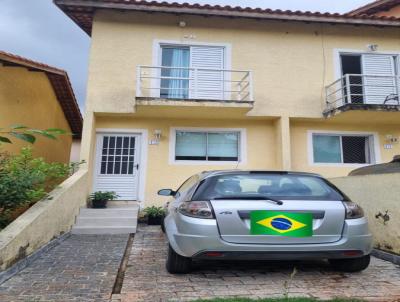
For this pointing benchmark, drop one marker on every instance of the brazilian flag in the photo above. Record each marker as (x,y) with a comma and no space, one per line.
(281,223)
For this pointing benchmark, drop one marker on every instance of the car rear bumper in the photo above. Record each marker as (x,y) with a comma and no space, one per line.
(281,255)
(192,237)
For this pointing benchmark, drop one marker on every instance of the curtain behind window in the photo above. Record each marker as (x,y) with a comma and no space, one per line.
(178,86)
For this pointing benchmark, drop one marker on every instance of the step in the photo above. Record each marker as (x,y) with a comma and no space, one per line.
(106,221)
(103,230)
(124,204)
(123,212)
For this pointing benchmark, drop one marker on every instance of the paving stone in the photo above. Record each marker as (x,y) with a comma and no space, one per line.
(147,280)
(81,268)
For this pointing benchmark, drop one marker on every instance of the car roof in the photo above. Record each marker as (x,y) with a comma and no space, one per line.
(207,174)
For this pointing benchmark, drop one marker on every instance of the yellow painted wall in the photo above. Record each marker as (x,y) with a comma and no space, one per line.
(28,98)
(377,194)
(160,174)
(300,149)
(292,62)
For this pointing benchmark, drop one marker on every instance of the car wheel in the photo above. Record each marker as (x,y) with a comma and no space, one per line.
(162,225)
(351,265)
(177,264)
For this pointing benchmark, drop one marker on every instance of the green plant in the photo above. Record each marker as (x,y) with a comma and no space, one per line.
(27,134)
(25,180)
(287,284)
(102,196)
(154,211)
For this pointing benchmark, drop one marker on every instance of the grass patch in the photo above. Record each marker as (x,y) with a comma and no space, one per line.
(276,300)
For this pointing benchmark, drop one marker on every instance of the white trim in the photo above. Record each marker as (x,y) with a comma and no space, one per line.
(156,57)
(375,156)
(242,146)
(143,155)
(338,51)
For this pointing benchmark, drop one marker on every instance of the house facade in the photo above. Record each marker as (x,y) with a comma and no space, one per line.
(175,89)
(39,96)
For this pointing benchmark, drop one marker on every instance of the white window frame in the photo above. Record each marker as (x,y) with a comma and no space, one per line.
(157,53)
(337,52)
(242,146)
(374,147)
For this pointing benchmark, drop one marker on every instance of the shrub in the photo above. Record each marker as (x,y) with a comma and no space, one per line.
(103,196)
(25,180)
(154,211)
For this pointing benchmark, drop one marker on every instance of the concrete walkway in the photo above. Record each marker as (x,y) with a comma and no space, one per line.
(81,268)
(147,280)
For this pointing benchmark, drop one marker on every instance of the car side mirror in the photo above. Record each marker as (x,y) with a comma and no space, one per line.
(166,192)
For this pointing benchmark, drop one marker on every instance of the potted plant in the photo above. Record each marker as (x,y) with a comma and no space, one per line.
(99,199)
(154,215)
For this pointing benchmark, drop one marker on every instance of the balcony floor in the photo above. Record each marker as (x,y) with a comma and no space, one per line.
(361,107)
(151,101)
(365,114)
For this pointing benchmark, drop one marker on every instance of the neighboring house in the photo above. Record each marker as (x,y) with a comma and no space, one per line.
(38,96)
(380,8)
(175,89)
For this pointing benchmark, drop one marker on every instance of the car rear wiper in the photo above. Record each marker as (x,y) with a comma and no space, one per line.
(249,197)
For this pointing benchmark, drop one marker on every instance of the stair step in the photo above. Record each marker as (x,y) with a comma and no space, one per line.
(103,230)
(114,212)
(106,221)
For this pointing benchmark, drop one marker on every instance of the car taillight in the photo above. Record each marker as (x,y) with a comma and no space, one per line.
(197,209)
(353,210)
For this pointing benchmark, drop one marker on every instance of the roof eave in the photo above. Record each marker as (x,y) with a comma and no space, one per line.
(281,16)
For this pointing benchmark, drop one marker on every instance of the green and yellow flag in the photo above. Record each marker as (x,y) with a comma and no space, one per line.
(281,223)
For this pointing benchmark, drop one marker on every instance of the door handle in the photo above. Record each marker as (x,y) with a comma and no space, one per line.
(137,166)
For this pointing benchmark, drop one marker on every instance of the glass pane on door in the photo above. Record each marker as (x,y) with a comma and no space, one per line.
(118,155)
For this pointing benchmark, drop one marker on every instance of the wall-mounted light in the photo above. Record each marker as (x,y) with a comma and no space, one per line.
(372,47)
(392,139)
(182,24)
(157,135)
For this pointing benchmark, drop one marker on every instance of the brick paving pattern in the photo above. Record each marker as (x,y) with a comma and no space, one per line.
(81,268)
(147,280)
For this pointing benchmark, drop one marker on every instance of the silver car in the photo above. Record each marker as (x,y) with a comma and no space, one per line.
(261,215)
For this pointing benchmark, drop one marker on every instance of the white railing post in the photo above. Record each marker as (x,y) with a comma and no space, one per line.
(397,80)
(195,83)
(138,81)
(327,104)
(251,92)
(348,91)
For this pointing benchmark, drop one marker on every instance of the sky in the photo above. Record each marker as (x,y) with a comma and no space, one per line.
(38,30)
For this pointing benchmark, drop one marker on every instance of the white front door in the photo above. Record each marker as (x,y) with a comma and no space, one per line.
(117,164)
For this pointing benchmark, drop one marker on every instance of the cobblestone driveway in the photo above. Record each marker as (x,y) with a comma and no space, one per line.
(147,280)
(81,268)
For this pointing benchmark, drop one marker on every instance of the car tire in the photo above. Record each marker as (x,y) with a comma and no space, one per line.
(177,264)
(350,265)
(162,224)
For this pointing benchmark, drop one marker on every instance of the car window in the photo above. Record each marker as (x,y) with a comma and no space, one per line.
(290,186)
(187,185)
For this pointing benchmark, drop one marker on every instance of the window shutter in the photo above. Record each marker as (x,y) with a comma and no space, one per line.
(207,84)
(376,89)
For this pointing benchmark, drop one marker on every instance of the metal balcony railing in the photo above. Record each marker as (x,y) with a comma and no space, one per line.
(361,89)
(194,84)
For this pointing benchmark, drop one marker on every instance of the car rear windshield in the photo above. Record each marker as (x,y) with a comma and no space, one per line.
(279,186)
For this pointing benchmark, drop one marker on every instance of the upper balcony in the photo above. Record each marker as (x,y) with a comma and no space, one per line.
(162,85)
(363,92)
